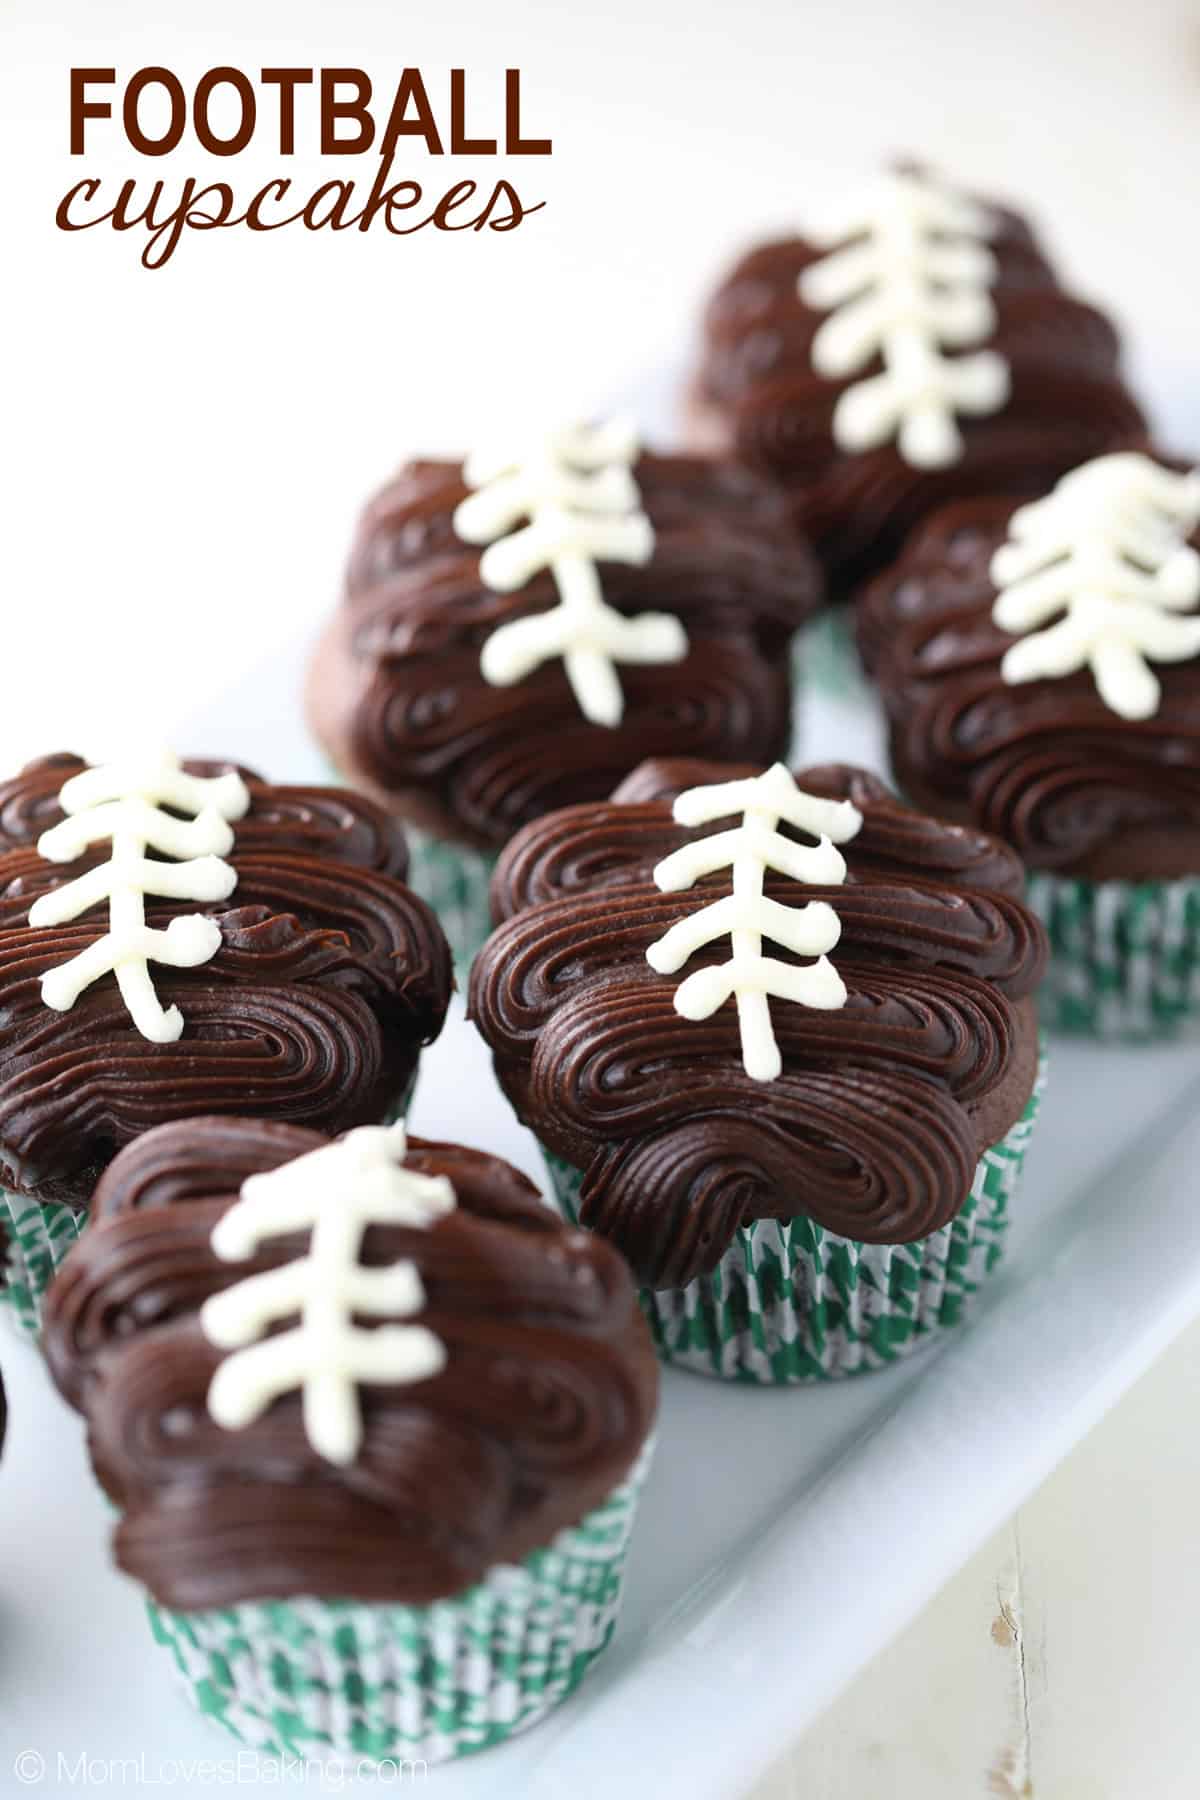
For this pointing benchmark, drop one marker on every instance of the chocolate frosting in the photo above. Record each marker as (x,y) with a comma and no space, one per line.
(329,978)
(876,1124)
(757,396)
(1046,765)
(397,697)
(547,1395)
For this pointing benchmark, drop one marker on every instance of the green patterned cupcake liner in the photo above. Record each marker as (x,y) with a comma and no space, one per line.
(1125,956)
(39,1238)
(825,656)
(341,1680)
(790,1302)
(41,1235)
(455,881)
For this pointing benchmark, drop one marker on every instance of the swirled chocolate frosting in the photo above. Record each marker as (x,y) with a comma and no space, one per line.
(1046,765)
(397,697)
(329,978)
(547,1394)
(757,396)
(883,1108)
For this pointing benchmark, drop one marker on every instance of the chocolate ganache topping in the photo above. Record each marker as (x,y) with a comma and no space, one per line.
(547,1391)
(397,696)
(758,396)
(883,1107)
(329,977)
(1046,765)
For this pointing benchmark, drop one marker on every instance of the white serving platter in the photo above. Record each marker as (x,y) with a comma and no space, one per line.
(784,1536)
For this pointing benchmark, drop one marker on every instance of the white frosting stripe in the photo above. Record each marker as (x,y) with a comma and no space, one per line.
(203,878)
(747,916)
(336,1193)
(121,804)
(1098,574)
(581,505)
(914,287)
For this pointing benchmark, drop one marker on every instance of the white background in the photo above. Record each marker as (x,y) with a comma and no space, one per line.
(184,452)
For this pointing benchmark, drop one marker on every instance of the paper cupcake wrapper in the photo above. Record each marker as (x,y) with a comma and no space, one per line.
(455,881)
(790,1302)
(825,656)
(347,1680)
(41,1235)
(39,1238)
(1125,956)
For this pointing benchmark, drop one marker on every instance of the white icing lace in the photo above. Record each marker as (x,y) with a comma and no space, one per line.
(581,503)
(747,916)
(1107,550)
(337,1192)
(912,284)
(121,803)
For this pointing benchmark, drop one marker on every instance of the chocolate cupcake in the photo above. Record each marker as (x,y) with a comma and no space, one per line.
(520,631)
(375,1423)
(1040,668)
(182,938)
(920,352)
(807,1162)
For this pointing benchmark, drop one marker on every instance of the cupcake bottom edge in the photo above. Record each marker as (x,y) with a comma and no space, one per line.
(792,1304)
(1124,956)
(370,1685)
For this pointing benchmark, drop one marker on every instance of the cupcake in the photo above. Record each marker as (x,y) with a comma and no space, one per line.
(521,630)
(920,351)
(1040,668)
(777,1037)
(177,938)
(396,1527)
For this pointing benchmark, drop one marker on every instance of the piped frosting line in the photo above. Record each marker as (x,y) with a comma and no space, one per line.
(911,284)
(337,1193)
(121,804)
(581,506)
(1100,575)
(747,916)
